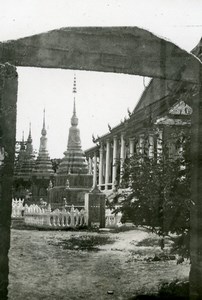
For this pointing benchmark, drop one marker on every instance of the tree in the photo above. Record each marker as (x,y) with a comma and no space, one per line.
(158,192)
(55,163)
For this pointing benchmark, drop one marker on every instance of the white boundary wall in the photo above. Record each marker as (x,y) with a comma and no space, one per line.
(45,218)
(40,217)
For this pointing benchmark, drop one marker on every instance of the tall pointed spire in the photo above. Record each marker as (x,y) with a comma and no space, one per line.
(29,139)
(74,119)
(43,131)
(43,163)
(29,148)
(23,142)
(74,159)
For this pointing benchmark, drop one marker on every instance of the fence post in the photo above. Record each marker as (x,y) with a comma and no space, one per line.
(95,208)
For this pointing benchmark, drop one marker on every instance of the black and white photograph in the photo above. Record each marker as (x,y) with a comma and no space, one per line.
(100,149)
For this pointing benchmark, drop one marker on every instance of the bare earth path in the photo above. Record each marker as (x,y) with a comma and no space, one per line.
(40,270)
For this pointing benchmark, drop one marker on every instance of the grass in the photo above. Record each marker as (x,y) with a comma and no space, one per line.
(84,243)
(151,242)
(148,242)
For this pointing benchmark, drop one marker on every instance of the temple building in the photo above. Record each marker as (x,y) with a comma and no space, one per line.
(72,179)
(32,176)
(134,135)
(163,113)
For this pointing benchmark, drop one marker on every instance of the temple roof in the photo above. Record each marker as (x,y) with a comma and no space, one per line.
(26,159)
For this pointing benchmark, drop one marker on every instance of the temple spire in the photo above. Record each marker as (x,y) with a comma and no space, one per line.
(74,84)
(43,165)
(74,161)
(74,119)
(43,131)
(30,134)
(22,144)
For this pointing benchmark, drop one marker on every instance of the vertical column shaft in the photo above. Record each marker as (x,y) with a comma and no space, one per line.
(107,163)
(101,165)
(122,156)
(141,143)
(151,146)
(131,147)
(90,165)
(95,169)
(159,145)
(8,99)
(114,170)
(195,277)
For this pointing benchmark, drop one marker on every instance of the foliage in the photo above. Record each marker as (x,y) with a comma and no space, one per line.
(158,193)
(55,163)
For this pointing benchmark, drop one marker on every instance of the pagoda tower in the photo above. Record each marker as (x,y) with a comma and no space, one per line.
(27,158)
(22,186)
(43,165)
(43,172)
(74,161)
(21,157)
(72,179)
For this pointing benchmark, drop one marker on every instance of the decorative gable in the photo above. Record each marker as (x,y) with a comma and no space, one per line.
(181,108)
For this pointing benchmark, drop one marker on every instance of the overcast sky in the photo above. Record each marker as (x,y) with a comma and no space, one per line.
(102,98)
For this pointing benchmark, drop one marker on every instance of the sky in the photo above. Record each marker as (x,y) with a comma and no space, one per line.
(102,98)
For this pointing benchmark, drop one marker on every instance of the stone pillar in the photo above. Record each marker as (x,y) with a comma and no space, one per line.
(195,277)
(114,170)
(131,147)
(141,144)
(95,208)
(90,165)
(95,169)
(101,165)
(8,99)
(151,146)
(122,155)
(159,145)
(107,164)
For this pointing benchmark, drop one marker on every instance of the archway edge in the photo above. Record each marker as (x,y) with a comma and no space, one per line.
(129,50)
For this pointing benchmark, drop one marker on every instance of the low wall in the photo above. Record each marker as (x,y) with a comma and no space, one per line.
(17,208)
(68,217)
(57,219)
(112,220)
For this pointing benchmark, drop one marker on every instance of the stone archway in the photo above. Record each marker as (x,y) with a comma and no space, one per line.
(128,50)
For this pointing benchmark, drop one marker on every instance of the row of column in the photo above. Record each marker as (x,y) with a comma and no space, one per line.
(118,154)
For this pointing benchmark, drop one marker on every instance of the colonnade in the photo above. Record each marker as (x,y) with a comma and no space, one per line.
(106,160)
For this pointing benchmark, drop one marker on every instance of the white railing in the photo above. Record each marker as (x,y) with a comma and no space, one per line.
(17,208)
(112,220)
(34,215)
(40,217)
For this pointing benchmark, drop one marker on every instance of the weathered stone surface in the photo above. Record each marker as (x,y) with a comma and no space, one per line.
(129,50)
(196,213)
(8,98)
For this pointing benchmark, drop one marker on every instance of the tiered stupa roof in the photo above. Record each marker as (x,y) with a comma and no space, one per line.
(26,160)
(74,161)
(43,166)
(21,156)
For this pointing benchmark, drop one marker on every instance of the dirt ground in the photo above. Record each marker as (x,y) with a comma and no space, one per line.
(42,269)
